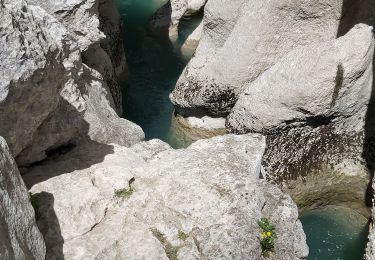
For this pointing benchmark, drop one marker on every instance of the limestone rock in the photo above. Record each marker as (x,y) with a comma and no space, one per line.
(170,14)
(370,248)
(313,105)
(48,89)
(191,43)
(19,235)
(96,26)
(211,192)
(242,39)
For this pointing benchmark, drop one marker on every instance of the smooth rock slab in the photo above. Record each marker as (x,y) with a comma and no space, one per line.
(211,191)
(242,39)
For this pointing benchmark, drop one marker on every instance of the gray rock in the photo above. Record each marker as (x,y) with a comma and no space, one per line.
(212,192)
(48,89)
(96,26)
(312,106)
(242,39)
(19,236)
(170,14)
(370,248)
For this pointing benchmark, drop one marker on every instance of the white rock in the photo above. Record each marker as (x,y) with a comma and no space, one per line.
(313,106)
(242,39)
(330,80)
(210,191)
(48,90)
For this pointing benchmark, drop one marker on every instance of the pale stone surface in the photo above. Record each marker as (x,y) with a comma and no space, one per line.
(331,80)
(19,234)
(48,90)
(313,106)
(170,14)
(242,39)
(96,26)
(191,43)
(211,191)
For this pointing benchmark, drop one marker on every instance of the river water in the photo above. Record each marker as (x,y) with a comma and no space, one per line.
(154,67)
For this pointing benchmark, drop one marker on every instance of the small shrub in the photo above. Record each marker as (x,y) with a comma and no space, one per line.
(34,200)
(125,192)
(267,236)
(182,235)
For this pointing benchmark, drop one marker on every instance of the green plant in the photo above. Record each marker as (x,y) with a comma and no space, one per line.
(126,192)
(34,200)
(170,251)
(267,236)
(182,235)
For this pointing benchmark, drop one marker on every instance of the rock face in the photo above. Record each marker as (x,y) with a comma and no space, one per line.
(97,28)
(197,203)
(19,235)
(172,12)
(370,249)
(242,39)
(56,99)
(313,105)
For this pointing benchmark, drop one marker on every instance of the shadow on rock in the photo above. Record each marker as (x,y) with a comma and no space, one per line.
(48,225)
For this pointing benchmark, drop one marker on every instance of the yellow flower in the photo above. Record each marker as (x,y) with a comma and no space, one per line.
(263,235)
(269,233)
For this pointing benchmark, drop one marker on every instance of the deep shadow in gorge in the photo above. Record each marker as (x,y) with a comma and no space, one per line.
(155,65)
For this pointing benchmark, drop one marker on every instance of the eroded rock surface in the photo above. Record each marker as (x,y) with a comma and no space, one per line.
(19,235)
(55,98)
(211,192)
(313,105)
(242,39)
(96,26)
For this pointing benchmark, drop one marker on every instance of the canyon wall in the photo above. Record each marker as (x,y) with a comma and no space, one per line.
(49,97)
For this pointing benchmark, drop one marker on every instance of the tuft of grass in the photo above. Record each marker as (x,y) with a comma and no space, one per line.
(182,235)
(125,192)
(170,251)
(34,200)
(267,236)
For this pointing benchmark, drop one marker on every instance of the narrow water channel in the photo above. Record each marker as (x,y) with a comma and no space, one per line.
(154,67)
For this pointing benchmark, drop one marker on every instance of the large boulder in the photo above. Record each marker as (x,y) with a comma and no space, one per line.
(202,202)
(48,89)
(96,26)
(242,39)
(313,106)
(20,237)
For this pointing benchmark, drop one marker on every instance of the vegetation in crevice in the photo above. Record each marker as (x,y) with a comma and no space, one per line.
(170,251)
(125,192)
(267,236)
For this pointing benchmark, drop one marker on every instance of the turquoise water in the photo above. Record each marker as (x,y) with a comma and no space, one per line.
(154,67)
(335,233)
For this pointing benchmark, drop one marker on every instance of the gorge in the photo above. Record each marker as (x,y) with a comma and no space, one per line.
(269,102)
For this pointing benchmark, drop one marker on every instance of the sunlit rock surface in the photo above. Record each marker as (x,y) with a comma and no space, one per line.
(211,191)
(55,98)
